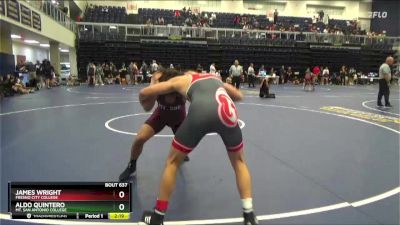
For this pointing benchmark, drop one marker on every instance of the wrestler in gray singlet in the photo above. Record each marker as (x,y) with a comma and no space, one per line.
(211,110)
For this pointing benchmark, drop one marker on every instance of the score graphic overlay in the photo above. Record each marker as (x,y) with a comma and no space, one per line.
(69,200)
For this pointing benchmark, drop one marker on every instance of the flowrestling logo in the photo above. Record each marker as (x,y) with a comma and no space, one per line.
(378,14)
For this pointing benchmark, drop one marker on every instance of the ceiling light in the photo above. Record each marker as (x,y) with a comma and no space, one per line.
(113,27)
(64,50)
(31,41)
(258,6)
(14,36)
(45,45)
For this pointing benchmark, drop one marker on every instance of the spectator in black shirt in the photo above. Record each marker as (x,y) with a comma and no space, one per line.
(48,72)
(275,16)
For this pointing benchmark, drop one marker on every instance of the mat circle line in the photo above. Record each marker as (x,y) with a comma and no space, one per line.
(242,124)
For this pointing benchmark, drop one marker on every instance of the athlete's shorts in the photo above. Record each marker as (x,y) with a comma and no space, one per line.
(161,118)
(201,121)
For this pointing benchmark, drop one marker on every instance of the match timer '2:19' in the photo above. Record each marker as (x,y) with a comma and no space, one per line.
(69,200)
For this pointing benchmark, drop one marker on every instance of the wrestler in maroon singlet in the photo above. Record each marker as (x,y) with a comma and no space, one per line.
(169,112)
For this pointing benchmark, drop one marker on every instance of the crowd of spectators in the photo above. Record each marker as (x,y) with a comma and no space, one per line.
(320,23)
(28,78)
(131,74)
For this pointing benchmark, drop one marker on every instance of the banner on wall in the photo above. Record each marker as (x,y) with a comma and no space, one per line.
(131,7)
(2,8)
(26,16)
(36,22)
(13,10)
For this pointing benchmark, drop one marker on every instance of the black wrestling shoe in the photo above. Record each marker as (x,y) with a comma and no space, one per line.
(186,159)
(129,171)
(388,105)
(379,105)
(152,218)
(250,218)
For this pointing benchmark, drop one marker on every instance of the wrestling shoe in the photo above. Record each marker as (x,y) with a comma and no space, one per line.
(152,218)
(129,171)
(388,105)
(250,218)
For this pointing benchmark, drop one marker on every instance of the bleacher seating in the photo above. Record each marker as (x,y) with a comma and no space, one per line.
(105,14)
(111,14)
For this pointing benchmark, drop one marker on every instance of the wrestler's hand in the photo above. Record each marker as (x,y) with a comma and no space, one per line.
(147,100)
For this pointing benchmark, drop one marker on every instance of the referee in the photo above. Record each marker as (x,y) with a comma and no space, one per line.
(384,79)
(236,71)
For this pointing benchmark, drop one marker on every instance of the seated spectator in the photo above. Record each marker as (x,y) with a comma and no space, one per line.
(19,87)
(213,16)
(262,71)
(199,68)
(7,86)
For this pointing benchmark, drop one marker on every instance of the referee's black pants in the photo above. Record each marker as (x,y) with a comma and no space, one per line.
(383,91)
(236,81)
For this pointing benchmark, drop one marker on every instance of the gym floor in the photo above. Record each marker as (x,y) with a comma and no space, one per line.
(323,157)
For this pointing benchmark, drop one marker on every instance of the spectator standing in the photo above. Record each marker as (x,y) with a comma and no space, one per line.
(321,15)
(282,75)
(123,72)
(289,74)
(39,74)
(143,69)
(236,72)
(275,16)
(316,73)
(385,75)
(343,75)
(99,74)
(91,72)
(129,77)
(251,75)
(154,66)
(325,75)
(352,72)
(107,73)
(48,71)
(212,68)
(135,71)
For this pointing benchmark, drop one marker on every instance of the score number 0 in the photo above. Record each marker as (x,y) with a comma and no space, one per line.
(121,206)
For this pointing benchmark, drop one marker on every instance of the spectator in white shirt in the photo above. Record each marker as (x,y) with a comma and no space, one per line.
(325,76)
(251,75)
(212,68)
(154,66)
(236,72)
